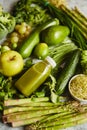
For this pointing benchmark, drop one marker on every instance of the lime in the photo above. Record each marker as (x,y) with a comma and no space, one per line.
(41,50)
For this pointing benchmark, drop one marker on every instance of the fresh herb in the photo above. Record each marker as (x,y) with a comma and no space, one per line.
(50,84)
(7,90)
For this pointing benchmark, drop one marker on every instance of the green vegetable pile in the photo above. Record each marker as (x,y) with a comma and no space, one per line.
(49,102)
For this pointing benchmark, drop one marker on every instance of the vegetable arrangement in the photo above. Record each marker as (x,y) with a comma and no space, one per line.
(62,32)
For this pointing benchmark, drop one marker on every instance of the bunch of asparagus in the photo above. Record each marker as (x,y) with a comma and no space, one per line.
(41,114)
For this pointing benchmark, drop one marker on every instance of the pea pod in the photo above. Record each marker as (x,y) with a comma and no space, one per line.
(27,46)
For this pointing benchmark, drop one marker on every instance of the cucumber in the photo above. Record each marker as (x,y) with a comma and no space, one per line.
(27,46)
(67,72)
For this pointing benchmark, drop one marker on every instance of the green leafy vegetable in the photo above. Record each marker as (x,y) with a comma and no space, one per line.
(49,89)
(31,12)
(7,90)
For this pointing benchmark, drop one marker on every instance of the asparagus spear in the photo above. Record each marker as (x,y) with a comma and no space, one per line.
(24,108)
(77,33)
(55,116)
(40,104)
(65,123)
(71,106)
(75,17)
(80,16)
(30,114)
(27,121)
(65,119)
(24,101)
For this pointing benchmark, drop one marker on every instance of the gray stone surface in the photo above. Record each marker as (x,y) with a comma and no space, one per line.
(82,5)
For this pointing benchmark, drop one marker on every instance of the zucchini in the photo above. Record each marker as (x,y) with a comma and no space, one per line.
(67,72)
(27,46)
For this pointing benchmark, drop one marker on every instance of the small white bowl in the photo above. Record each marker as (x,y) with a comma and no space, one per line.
(76,89)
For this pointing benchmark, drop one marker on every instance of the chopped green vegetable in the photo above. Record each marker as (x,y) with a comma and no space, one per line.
(31,12)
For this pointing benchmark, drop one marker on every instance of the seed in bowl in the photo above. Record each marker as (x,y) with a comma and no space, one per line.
(78,86)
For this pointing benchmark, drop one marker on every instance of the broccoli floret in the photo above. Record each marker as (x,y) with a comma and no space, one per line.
(7,23)
(84,61)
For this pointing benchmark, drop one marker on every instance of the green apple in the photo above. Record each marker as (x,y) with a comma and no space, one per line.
(11,63)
